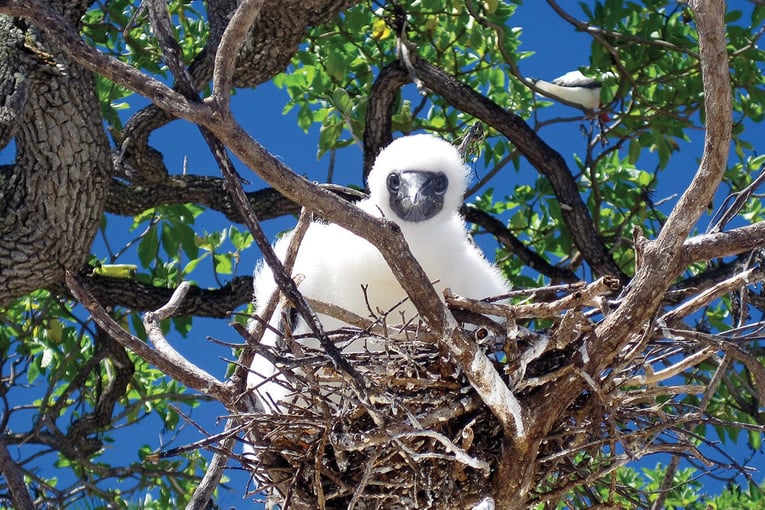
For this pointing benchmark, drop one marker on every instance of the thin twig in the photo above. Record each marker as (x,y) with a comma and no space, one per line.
(211,480)
(230,43)
(724,215)
(167,359)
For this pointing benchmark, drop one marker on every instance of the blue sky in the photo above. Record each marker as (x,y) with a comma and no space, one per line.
(558,49)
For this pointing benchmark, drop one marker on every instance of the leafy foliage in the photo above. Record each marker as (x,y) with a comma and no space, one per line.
(57,365)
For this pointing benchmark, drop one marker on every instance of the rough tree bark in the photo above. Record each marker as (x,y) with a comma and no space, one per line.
(525,420)
(52,197)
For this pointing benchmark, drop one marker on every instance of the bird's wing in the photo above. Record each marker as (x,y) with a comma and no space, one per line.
(585,97)
(577,79)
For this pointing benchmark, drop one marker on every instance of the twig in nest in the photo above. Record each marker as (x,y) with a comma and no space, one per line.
(459,454)
(587,296)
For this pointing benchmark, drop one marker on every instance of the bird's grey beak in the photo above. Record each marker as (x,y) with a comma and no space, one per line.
(416,195)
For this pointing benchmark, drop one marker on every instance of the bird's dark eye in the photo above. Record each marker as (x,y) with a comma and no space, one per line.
(394,181)
(440,183)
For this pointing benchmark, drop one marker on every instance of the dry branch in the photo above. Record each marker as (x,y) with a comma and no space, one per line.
(562,403)
(397,465)
(163,357)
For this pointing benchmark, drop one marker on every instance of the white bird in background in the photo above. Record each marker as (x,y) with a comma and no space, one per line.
(417,181)
(573,87)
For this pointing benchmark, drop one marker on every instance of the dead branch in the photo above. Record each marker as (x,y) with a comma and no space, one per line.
(748,277)
(163,357)
(582,296)
(230,43)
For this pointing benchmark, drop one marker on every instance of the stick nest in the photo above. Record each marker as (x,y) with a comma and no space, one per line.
(411,432)
(419,438)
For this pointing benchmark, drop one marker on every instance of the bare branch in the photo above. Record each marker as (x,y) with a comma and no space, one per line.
(652,378)
(582,295)
(204,491)
(739,200)
(167,360)
(736,353)
(717,102)
(230,44)
(170,307)
(15,480)
(723,244)
(141,297)
(750,276)
(661,258)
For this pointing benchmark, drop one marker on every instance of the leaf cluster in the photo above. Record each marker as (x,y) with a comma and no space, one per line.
(622,170)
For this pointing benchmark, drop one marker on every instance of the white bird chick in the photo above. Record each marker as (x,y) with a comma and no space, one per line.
(418,182)
(573,87)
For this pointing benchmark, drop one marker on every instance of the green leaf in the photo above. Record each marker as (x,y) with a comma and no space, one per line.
(223,264)
(192,264)
(342,100)
(148,248)
(240,239)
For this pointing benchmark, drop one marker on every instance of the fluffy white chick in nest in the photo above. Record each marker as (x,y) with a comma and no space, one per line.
(418,182)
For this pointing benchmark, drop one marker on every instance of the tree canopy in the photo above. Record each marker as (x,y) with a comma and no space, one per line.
(630,369)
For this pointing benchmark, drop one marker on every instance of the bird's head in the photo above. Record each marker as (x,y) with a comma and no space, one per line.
(418,178)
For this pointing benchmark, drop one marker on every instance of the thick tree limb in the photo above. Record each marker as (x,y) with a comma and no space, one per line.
(378,130)
(129,200)
(15,480)
(717,101)
(142,297)
(52,197)
(663,259)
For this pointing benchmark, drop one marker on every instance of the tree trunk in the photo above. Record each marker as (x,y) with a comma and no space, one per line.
(52,198)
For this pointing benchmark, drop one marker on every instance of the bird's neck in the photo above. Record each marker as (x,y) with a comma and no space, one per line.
(433,235)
